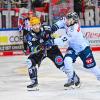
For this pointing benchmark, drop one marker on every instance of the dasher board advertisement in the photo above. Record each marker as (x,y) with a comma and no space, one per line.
(11,40)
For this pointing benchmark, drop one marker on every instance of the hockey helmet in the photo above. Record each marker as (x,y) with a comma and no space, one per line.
(73,15)
(34,21)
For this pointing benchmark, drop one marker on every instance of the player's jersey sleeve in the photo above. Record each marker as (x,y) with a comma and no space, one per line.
(47,29)
(70,36)
(61,41)
(59,24)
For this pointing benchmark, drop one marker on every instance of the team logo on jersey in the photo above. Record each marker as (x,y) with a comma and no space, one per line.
(89,60)
(64,39)
(71,28)
(59,60)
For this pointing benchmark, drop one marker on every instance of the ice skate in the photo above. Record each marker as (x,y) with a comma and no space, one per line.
(33,87)
(73,82)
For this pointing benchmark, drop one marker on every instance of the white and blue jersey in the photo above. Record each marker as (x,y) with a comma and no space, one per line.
(73,36)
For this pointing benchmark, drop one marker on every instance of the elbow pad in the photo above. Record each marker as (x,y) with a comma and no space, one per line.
(54,28)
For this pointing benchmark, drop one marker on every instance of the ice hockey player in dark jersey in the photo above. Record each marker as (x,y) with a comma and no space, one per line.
(41,45)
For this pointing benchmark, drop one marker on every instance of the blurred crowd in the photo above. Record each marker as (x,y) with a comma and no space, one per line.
(21,3)
(31,4)
(24,6)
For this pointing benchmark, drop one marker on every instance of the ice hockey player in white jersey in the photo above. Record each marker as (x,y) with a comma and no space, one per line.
(77,47)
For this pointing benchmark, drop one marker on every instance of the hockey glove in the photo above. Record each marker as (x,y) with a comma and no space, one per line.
(48,44)
(37,48)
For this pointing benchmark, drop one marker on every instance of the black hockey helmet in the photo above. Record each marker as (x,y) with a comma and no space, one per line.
(73,15)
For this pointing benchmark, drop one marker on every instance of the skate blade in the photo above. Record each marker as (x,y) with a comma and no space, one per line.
(72,87)
(33,89)
(78,86)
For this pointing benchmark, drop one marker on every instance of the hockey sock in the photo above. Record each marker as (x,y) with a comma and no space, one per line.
(96,71)
(68,69)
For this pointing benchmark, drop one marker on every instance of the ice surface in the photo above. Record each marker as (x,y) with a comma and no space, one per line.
(14,79)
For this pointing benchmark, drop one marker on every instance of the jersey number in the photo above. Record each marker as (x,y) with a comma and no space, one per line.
(64,39)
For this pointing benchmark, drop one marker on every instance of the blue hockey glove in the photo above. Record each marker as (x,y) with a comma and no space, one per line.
(49,43)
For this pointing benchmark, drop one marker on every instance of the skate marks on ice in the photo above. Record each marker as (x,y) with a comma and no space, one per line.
(52,88)
(13,85)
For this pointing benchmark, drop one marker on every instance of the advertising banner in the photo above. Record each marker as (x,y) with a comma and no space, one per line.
(10,40)
(92,34)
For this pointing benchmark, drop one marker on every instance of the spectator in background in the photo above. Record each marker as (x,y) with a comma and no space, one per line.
(37,3)
(31,14)
(78,6)
(20,3)
(4,3)
(1,2)
(99,3)
(24,6)
(24,3)
(15,3)
(10,3)
(24,27)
